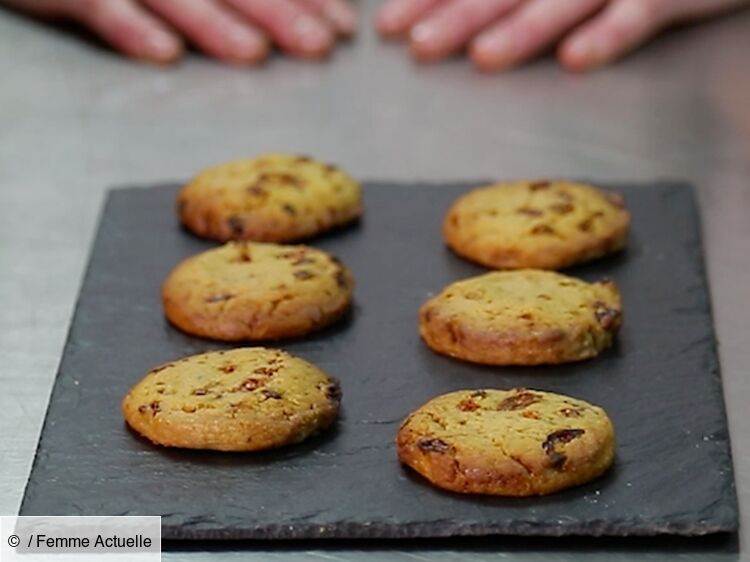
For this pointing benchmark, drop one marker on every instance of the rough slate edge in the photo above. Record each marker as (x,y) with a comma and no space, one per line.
(727,522)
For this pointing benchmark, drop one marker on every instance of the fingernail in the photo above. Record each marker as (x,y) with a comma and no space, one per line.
(579,50)
(497,45)
(423,34)
(161,46)
(242,44)
(313,38)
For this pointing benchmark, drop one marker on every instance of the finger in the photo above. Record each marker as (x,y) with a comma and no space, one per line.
(622,26)
(42,8)
(292,26)
(528,31)
(130,29)
(396,17)
(339,13)
(215,29)
(688,10)
(452,25)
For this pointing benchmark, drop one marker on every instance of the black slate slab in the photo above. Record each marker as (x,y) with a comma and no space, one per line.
(660,384)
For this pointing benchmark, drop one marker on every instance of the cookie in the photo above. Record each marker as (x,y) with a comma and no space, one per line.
(524,317)
(272,198)
(544,224)
(507,442)
(237,400)
(255,291)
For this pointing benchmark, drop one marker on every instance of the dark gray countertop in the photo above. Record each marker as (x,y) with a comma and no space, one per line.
(75,120)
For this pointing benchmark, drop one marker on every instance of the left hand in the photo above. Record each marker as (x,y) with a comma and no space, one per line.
(504,33)
(237,31)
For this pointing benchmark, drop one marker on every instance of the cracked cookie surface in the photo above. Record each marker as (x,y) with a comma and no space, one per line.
(515,442)
(256,291)
(523,317)
(543,224)
(236,400)
(272,198)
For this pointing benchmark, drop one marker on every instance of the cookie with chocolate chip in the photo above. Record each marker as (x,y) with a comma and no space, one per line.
(523,317)
(272,198)
(515,442)
(238,400)
(250,291)
(543,224)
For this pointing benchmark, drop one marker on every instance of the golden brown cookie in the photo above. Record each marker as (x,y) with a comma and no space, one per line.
(543,224)
(272,198)
(255,291)
(524,317)
(509,443)
(237,400)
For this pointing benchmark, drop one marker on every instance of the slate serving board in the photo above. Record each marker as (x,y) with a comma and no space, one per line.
(660,384)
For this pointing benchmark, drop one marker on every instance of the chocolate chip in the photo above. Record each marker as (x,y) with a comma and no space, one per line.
(280,177)
(519,401)
(530,211)
(266,371)
(333,391)
(268,393)
(227,368)
(257,190)
(161,368)
(303,274)
(606,316)
(200,392)
(543,229)
(586,224)
(571,412)
(244,255)
(479,394)
(221,297)
(341,279)
(468,405)
(251,384)
(155,407)
(526,316)
(474,295)
(557,459)
(236,225)
(295,255)
(142,409)
(538,185)
(433,445)
(289,209)
(562,208)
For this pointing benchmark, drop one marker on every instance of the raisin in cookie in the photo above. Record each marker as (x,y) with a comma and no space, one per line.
(545,225)
(524,317)
(509,443)
(272,198)
(237,400)
(256,291)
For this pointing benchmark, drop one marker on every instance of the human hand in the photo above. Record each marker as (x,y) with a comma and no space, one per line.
(504,33)
(231,30)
